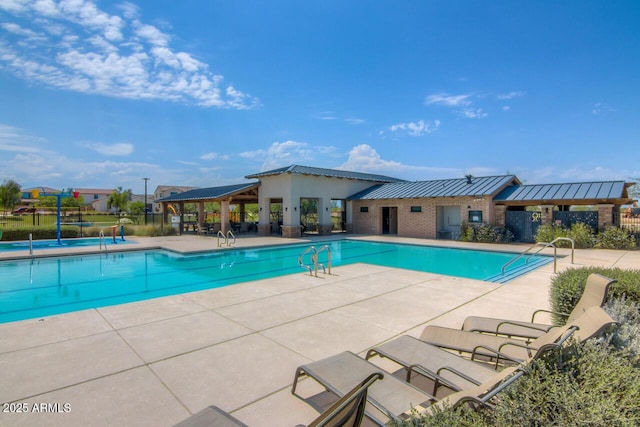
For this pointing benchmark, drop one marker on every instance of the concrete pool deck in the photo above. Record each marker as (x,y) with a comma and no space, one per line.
(155,362)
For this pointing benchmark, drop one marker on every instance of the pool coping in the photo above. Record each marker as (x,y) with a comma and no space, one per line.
(154,363)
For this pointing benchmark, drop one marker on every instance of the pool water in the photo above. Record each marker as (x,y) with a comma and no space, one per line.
(23,245)
(45,286)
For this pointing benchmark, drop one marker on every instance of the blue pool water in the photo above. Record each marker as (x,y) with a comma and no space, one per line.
(45,286)
(64,243)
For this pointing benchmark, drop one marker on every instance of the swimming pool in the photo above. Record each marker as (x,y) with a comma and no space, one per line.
(23,245)
(45,286)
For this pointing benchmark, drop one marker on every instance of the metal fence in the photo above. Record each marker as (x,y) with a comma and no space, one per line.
(70,219)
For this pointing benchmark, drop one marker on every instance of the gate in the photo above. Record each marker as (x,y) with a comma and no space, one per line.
(523,224)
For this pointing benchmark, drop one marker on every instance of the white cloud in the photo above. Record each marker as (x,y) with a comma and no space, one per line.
(364,158)
(472,113)
(286,153)
(506,108)
(418,128)
(600,108)
(118,149)
(215,156)
(462,104)
(511,95)
(448,100)
(76,46)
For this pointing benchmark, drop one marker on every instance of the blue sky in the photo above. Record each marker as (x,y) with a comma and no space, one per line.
(202,93)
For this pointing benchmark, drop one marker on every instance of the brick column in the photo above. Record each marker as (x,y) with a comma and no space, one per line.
(547,214)
(500,212)
(605,215)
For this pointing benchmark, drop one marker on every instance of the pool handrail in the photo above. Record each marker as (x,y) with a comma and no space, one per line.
(544,246)
(314,260)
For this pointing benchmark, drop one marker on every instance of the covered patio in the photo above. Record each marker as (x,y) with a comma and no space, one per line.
(238,194)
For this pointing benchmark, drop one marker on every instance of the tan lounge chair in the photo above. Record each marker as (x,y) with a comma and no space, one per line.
(481,394)
(498,348)
(441,366)
(348,411)
(457,373)
(595,294)
(389,398)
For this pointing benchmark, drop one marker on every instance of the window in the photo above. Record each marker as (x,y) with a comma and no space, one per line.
(416,208)
(475,216)
(364,208)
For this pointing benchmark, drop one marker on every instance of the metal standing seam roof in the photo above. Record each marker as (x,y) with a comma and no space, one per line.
(597,190)
(479,186)
(333,173)
(209,193)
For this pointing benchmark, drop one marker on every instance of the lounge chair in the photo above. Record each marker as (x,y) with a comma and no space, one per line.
(441,366)
(481,394)
(457,373)
(498,348)
(348,411)
(595,294)
(390,398)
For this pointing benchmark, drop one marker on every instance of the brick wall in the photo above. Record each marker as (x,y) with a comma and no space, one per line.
(422,224)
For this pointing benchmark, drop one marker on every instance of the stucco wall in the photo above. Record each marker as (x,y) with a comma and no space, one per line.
(292,187)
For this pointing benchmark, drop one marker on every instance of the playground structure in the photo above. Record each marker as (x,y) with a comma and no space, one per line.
(37,193)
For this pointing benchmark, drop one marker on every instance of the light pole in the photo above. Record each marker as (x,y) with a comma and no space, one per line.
(145,200)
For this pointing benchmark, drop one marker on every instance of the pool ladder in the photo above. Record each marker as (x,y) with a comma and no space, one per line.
(313,268)
(227,238)
(102,242)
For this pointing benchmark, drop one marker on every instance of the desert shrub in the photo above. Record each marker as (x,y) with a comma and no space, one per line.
(614,237)
(155,231)
(581,384)
(627,336)
(567,286)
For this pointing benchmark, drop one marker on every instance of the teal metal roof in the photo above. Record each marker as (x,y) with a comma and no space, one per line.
(333,173)
(472,186)
(585,191)
(209,193)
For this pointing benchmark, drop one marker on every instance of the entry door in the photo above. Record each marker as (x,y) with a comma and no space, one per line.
(389,220)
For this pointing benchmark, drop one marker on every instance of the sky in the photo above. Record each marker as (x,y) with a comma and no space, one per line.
(101,94)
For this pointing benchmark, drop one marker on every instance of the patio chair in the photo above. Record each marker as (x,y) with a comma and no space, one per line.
(348,411)
(389,398)
(595,294)
(590,323)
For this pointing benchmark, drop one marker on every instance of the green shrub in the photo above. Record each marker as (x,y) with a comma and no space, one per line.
(615,238)
(627,336)
(582,235)
(466,232)
(39,233)
(549,232)
(484,233)
(567,286)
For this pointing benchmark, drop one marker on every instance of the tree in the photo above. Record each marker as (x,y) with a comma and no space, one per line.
(634,191)
(10,194)
(119,199)
(136,209)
